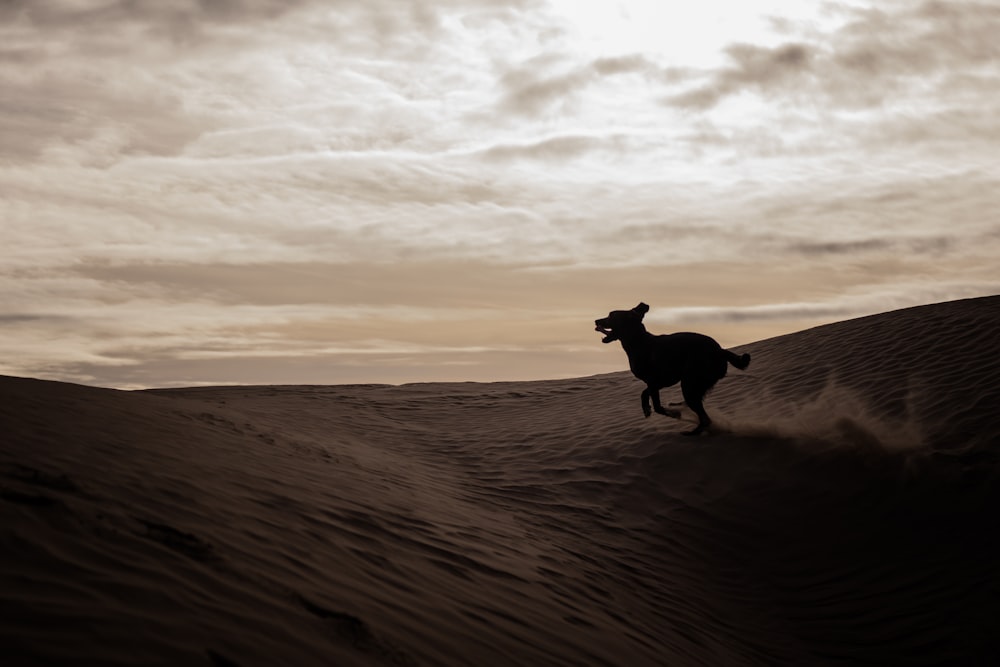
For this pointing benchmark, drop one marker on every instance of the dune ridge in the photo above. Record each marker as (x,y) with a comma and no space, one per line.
(843,511)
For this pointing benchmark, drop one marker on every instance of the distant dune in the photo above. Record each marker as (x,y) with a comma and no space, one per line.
(844,511)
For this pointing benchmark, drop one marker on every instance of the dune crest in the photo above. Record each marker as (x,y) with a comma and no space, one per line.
(843,511)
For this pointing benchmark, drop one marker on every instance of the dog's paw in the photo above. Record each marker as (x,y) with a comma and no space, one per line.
(646,411)
(676,414)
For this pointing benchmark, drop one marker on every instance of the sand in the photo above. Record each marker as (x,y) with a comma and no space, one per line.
(844,510)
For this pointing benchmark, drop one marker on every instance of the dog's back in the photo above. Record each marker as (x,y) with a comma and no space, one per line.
(683,356)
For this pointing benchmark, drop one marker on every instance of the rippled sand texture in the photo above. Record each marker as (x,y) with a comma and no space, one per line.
(844,511)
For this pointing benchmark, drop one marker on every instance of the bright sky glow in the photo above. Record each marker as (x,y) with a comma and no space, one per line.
(690,37)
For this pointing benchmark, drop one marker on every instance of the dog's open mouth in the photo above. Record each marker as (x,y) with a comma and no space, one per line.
(609,335)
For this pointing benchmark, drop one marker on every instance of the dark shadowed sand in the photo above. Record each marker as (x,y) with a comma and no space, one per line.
(844,511)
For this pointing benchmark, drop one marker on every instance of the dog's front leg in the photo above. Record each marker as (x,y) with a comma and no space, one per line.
(655,395)
(645,402)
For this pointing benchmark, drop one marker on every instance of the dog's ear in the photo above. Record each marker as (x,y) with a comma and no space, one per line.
(641,309)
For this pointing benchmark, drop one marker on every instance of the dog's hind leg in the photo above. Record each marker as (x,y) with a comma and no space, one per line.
(693,396)
(658,407)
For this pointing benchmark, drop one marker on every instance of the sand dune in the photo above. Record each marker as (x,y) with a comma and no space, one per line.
(844,511)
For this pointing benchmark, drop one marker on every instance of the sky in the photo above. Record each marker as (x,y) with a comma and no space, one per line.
(366,191)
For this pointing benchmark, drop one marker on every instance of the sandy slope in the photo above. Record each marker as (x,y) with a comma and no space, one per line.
(843,512)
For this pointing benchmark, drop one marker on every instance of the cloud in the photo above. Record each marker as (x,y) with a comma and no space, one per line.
(7,319)
(755,67)
(914,246)
(92,83)
(209,24)
(854,303)
(902,49)
(92,90)
(60,14)
(532,87)
(100,122)
(918,38)
(557,148)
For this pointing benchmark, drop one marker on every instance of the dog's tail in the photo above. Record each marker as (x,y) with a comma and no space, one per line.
(740,361)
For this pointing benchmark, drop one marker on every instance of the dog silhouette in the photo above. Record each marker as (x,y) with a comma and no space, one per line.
(695,360)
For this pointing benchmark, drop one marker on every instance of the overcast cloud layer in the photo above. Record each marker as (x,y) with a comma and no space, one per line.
(221,191)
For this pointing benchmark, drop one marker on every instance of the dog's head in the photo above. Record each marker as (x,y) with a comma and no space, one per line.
(621,323)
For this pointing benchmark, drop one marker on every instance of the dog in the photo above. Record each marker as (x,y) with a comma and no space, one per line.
(695,360)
